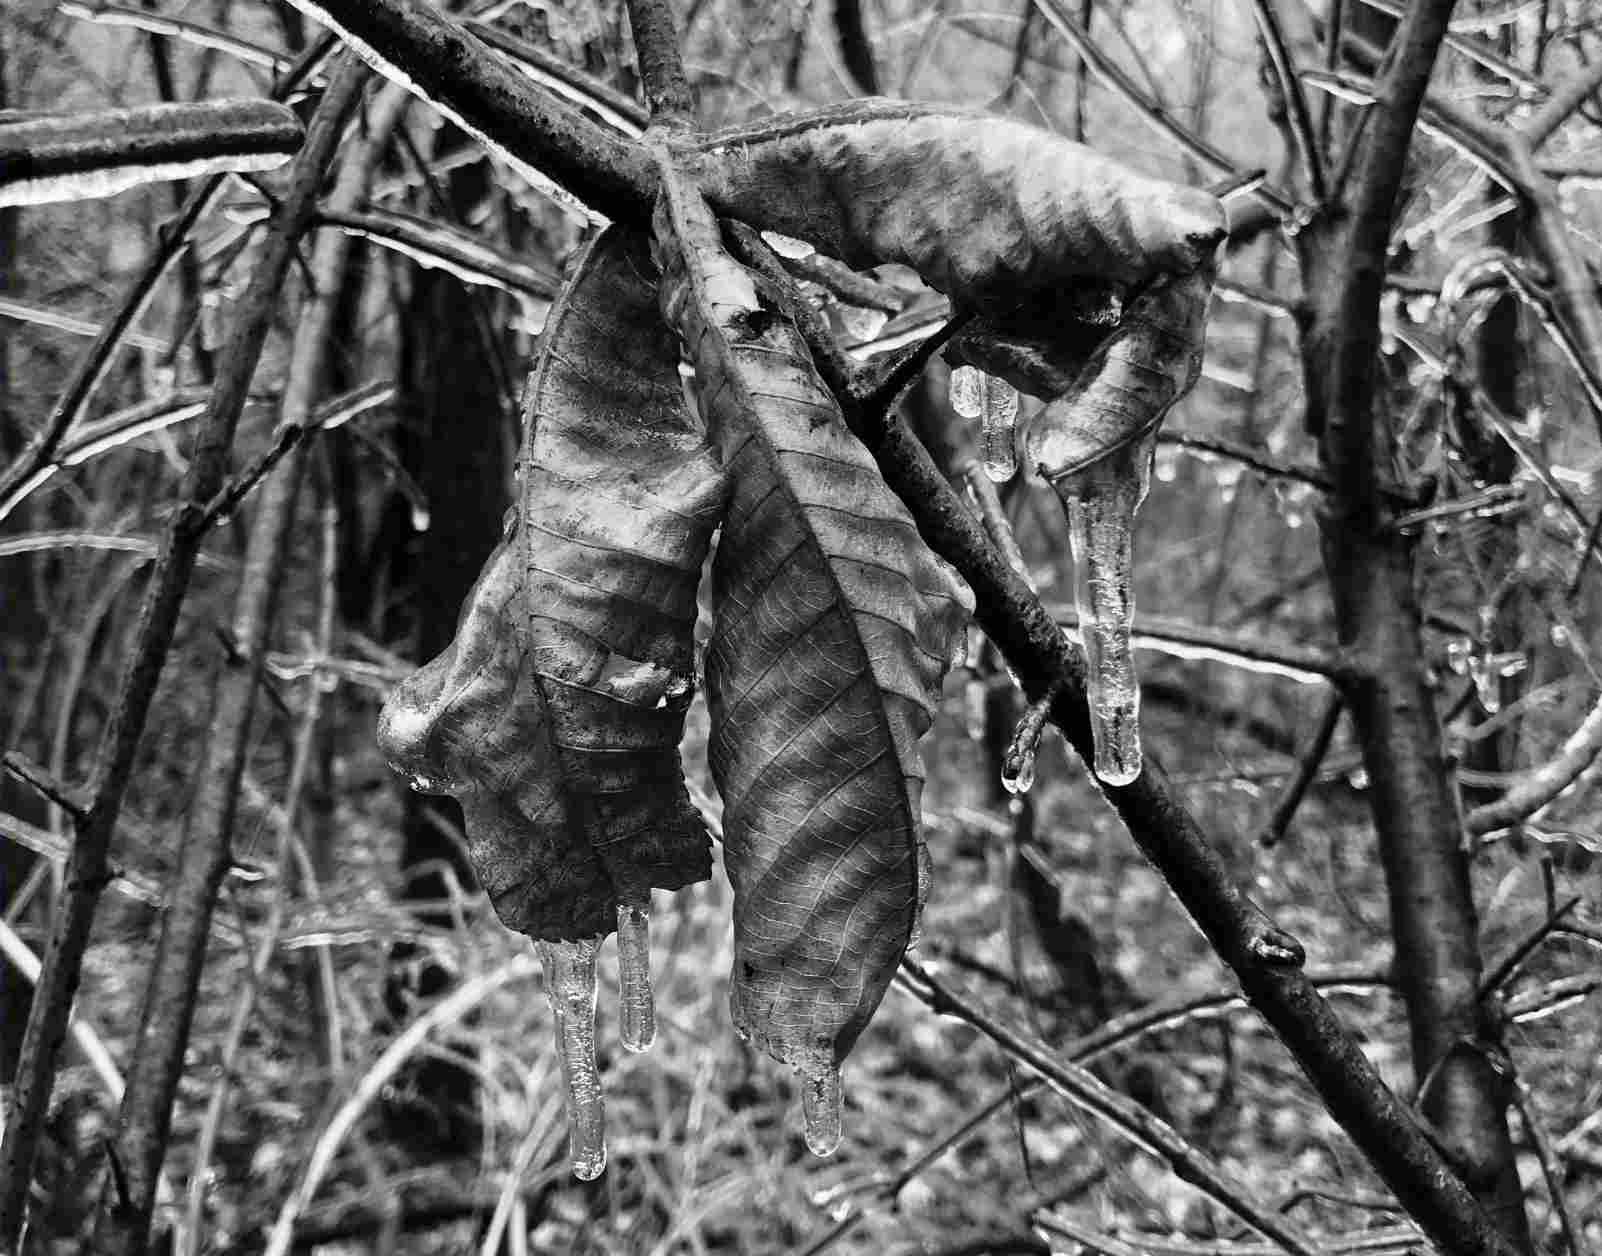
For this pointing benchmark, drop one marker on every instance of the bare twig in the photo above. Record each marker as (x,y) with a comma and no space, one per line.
(1308,761)
(1550,1173)
(1542,785)
(437,244)
(195,33)
(1195,641)
(1301,123)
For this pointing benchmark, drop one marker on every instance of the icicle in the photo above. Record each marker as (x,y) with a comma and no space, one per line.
(570,986)
(820,1106)
(1102,499)
(637,1005)
(998,418)
(967,391)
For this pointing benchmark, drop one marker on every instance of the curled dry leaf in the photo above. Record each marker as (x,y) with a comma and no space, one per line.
(1088,287)
(834,624)
(556,714)
(1043,239)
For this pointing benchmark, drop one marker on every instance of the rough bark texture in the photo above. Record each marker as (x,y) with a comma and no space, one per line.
(1372,573)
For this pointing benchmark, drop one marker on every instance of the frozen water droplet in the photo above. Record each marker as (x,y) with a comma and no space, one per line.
(820,1107)
(788,246)
(998,420)
(636,1003)
(570,987)
(860,324)
(967,391)
(1102,500)
(1019,777)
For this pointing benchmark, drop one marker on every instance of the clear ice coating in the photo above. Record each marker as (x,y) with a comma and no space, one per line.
(998,420)
(1102,500)
(820,1107)
(637,1005)
(967,391)
(1018,775)
(570,986)
(788,246)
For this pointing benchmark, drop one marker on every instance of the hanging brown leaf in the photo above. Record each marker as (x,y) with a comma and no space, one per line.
(473,724)
(834,624)
(620,497)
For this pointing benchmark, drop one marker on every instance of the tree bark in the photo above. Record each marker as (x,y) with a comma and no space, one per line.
(1372,574)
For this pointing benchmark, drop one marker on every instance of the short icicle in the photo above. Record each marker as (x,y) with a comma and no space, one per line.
(967,391)
(637,1005)
(1102,500)
(998,421)
(820,1106)
(570,986)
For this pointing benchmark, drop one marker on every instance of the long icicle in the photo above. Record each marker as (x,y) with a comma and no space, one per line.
(570,986)
(1102,500)
(636,1002)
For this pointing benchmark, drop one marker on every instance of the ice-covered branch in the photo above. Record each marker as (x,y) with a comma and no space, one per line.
(85,155)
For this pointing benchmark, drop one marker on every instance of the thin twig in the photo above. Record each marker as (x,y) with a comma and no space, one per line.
(1301,123)
(1308,761)
(1550,1173)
